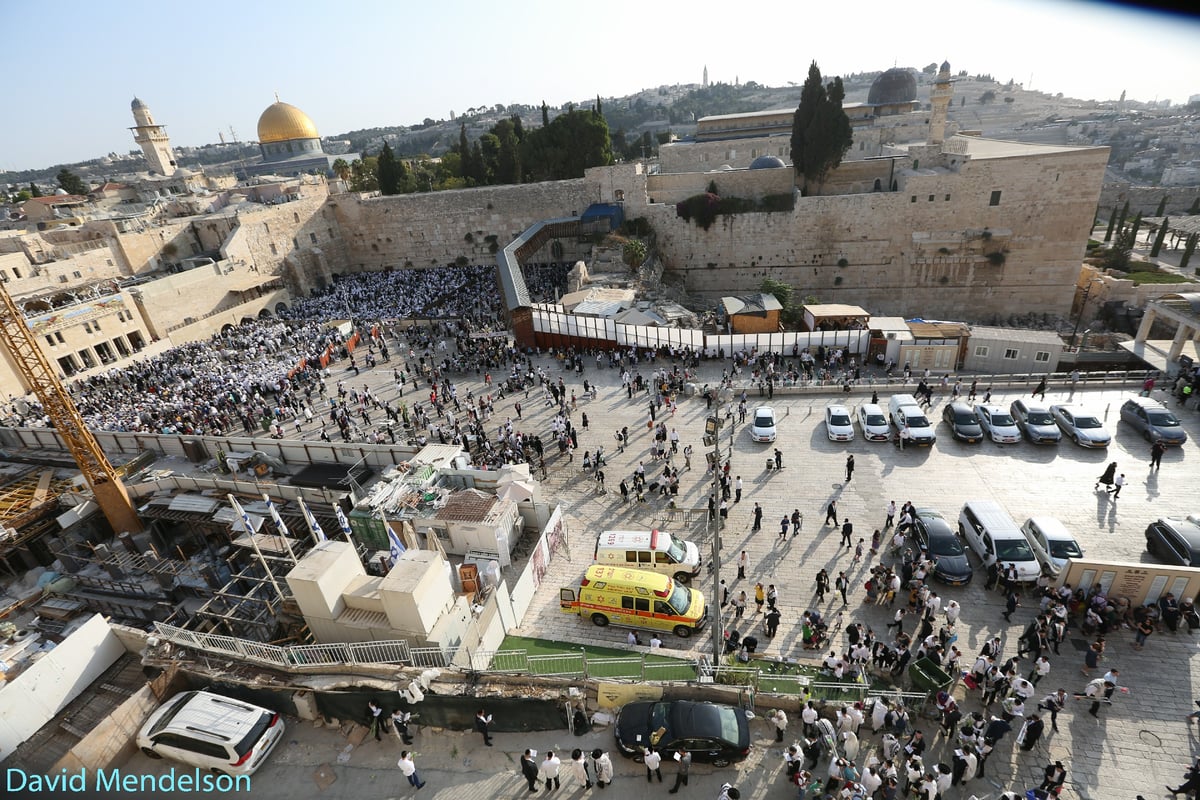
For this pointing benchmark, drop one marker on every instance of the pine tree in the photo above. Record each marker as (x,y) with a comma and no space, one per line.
(1112,221)
(70,182)
(1158,240)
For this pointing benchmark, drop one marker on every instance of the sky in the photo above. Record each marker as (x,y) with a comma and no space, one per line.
(205,67)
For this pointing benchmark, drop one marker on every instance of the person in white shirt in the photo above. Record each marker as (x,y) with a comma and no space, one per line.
(952,612)
(780,720)
(809,716)
(1041,668)
(653,761)
(655,642)
(409,770)
(550,767)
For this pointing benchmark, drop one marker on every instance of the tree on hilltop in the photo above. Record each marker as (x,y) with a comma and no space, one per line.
(70,182)
(391,171)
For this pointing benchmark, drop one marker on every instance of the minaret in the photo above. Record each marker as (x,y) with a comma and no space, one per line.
(706,76)
(939,98)
(155,143)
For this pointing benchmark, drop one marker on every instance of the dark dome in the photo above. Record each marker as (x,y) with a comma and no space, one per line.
(136,104)
(767,162)
(945,66)
(897,85)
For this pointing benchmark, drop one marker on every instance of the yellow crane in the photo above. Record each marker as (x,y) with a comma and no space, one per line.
(31,362)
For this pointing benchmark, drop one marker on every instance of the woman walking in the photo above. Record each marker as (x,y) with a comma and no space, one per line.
(1110,473)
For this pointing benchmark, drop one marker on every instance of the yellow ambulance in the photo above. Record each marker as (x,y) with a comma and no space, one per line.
(634,598)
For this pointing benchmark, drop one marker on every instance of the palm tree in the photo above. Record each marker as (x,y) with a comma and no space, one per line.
(341,169)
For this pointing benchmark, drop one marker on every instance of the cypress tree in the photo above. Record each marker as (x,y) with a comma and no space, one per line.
(1162,206)
(1121,217)
(390,175)
(1158,240)
(545,115)
(1112,221)
(1188,249)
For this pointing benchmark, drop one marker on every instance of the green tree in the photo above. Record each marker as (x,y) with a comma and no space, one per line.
(545,115)
(341,168)
(364,174)
(1135,227)
(821,132)
(1112,221)
(792,314)
(1118,255)
(573,142)
(390,171)
(22,196)
(34,191)
(634,253)
(1122,216)
(508,162)
(1158,240)
(70,182)
(1188,249)
(1195,209)
(1162,206)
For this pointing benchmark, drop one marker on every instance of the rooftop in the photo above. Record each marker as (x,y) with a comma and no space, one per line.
(1015,335)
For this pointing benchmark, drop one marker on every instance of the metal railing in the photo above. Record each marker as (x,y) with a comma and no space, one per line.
(305,655)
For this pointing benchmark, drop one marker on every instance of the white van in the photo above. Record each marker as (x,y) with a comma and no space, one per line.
(907,416)
(995,537)
(657,551)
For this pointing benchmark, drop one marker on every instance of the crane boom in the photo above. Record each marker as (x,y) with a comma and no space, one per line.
(31,363)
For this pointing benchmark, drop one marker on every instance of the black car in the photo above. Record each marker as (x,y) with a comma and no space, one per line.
(963,422)
(714,733)
(940,542)
(1175,541)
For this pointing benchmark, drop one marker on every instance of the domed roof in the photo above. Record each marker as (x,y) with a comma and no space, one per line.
(136,104)
(897,85)
(945,66)
(282,122)
(767,162)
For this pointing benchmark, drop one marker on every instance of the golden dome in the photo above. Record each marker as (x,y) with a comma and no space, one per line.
(282,121)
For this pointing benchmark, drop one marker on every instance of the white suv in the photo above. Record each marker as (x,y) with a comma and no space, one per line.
(212,732)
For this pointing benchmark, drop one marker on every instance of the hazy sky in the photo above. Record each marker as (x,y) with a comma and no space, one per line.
(73,66)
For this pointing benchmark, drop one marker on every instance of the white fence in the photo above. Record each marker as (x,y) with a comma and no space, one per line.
(305,655)
(554,327)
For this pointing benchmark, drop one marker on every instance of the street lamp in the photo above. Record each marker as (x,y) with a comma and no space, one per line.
(712,438)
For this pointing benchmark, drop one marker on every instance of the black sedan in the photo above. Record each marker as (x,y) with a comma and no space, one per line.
(1174,541)
(940,542)
(963,422)
(714,733)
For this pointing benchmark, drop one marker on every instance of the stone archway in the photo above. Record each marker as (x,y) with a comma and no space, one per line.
(227,327)
(264,314)
(280,307)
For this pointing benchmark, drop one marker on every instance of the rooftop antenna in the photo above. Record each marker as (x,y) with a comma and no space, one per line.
(277,97)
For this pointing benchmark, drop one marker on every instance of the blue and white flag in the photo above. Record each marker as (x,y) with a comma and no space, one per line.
(279,523)
(395,547)
(341,518)
(314,527)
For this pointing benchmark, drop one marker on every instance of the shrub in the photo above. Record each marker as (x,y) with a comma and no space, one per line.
(997,258)
(469,239)
(462,261)
(699,208)
(837,281)
(843,262)
(944,251)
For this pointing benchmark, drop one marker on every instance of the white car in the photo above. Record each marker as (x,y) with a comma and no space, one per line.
(1052,543)
(839,425)
(998,424)
(762,429)
(211,732)
(874,423)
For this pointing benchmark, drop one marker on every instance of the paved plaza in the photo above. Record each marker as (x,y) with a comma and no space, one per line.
(1136,746)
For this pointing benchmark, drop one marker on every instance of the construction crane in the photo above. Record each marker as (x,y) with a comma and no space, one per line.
(31,363)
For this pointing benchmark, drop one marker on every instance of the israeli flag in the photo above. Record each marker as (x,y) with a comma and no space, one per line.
(314,527)
(395,548)
(342,521)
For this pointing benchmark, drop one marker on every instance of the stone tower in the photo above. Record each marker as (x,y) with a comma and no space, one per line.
(153,139)
(939,98)
(705,75)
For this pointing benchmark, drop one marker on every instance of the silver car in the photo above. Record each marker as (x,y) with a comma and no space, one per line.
(1080,425)
(998,424)
(1035,422)
(1153,421)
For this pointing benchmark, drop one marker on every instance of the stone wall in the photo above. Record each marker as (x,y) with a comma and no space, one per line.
(892,242)
(423,230)
(745,183)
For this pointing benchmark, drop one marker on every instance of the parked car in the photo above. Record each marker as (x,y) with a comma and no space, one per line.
(763,427)
(964,425)
(1052,543)
(211,732)
(996,537)
(939,541)
(1153,421)
(1174,541)
(874,423)
(998,424)
(1035,422)
(1081,426)
(718,734)
(839,425)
